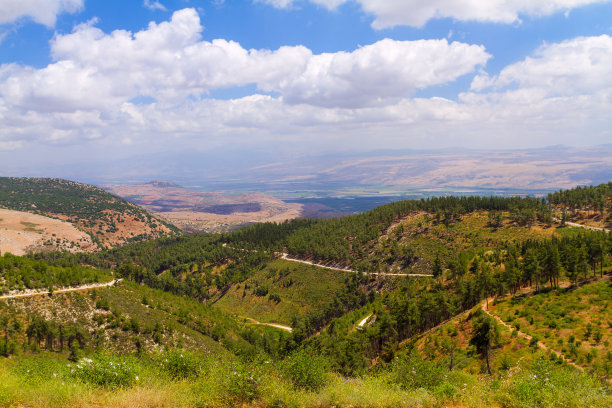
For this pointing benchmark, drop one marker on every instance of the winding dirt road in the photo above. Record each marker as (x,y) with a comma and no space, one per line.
(73,289)
(590,227)
(286,257)
(278,326)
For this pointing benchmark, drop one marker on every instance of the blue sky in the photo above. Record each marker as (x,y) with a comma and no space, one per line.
(296,77)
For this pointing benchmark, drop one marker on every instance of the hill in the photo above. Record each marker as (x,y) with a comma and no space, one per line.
(107,219)
(240,327)
(196,211)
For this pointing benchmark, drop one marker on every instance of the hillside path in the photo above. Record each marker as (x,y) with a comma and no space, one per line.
(65,290)
(278,326)
(286,257)
(364,321)
(483,306)
(590,227)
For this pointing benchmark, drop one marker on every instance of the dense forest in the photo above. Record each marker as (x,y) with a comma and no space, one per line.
(20,273)
(596,197)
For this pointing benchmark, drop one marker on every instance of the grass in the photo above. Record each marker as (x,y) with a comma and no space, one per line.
(48,380)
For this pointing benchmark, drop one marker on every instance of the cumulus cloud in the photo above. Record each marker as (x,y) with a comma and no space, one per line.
(170,62)
(41,11)
(576,66)
(416,13)
(377,72)
(87,95)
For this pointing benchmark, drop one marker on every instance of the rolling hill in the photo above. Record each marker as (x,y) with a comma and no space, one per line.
(513,312)
(108,220)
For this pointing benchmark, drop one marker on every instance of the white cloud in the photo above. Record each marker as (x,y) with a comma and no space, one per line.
(389,13)
(41,11)
(358,98)
(277,3)
(154,5)
(576,66)
(377,72)
(169,62)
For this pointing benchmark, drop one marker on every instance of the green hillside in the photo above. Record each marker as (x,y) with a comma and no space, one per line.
(516,314)
(282,291)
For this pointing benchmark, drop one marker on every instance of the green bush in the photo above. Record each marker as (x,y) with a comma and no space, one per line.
(180,364)
(306,369)
(242,384)
(104,371)
(413,371)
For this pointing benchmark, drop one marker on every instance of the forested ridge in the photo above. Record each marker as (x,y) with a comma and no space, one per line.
(20,273)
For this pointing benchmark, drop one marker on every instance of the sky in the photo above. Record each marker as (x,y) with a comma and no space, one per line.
(86,82)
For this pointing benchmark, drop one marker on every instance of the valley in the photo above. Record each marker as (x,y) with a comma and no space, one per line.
(448,301)
(194,211)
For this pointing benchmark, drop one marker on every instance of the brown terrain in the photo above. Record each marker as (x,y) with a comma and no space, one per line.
(195,211)
(21,232)
(116,228)
(536,169)
(107,220)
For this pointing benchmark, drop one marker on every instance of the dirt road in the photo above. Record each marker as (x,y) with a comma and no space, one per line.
(73,289)
(525,335)
(278,326)
(286,257)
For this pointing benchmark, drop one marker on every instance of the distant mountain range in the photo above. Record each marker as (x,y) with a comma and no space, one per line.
(384,172)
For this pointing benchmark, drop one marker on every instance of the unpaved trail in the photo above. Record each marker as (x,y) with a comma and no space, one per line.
(278,326)
(286,257)
(73,289)
(590,227)
(525,335)
(364,321)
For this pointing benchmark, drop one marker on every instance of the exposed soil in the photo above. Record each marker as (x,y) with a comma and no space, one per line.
(21,232)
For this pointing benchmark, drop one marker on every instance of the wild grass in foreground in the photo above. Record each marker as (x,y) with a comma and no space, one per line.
(175,378)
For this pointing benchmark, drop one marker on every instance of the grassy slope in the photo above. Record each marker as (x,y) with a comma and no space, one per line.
(110,220)
(300,287)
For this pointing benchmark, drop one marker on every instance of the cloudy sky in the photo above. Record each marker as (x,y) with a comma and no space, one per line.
(99,80)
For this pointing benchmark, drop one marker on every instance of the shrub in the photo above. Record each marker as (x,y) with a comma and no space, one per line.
(412,371)
(104,372)
(306,370)
(260,291)
(180,364)
(102,304)
(242,385)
